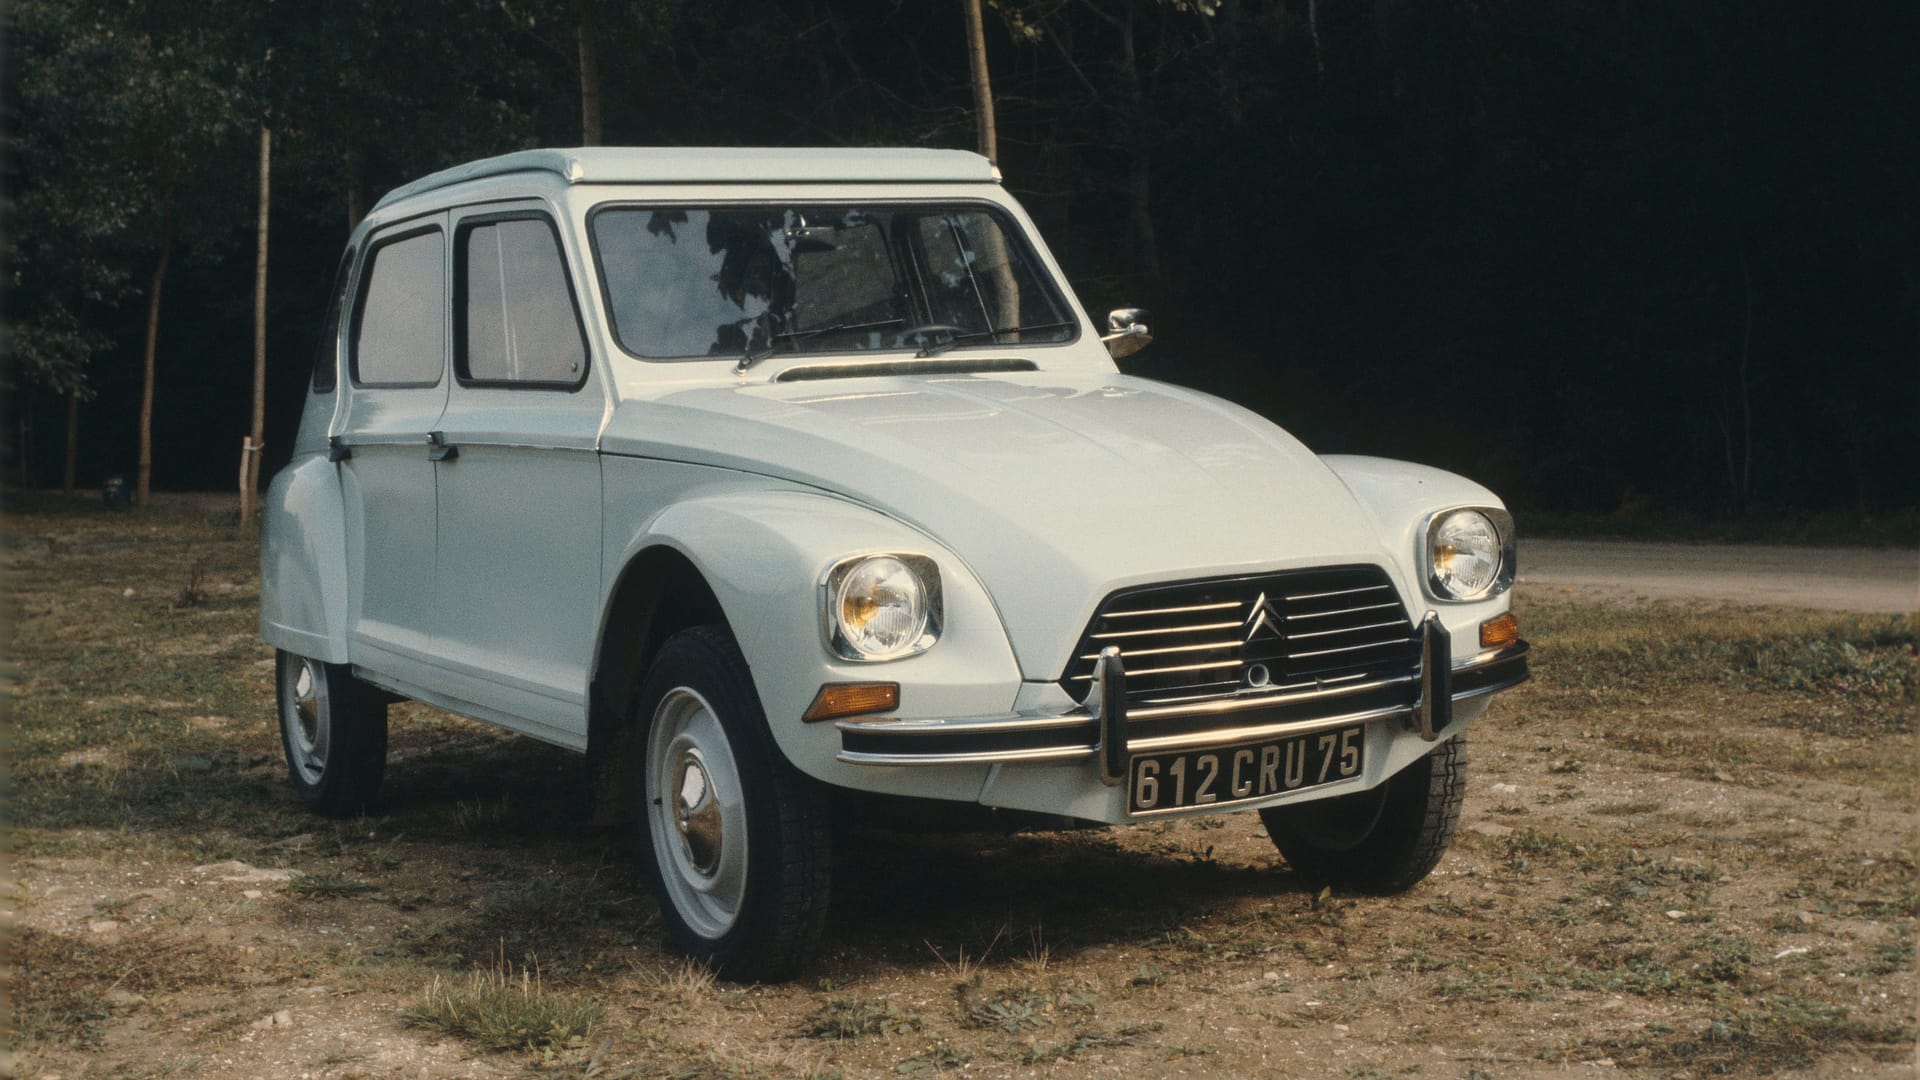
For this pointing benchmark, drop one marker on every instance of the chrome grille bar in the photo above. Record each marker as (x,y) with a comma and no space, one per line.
(1347,630)
(1338,592)
(1166,630)
(1202,647)
(1230,604)
(1343,611)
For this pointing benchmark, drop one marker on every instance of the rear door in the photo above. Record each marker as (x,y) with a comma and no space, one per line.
(518,489)
(397,371)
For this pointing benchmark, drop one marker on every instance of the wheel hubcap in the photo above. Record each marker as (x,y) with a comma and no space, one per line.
(696,812)
(307,718)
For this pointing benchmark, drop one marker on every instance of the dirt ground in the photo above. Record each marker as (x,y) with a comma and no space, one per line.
(1689,851)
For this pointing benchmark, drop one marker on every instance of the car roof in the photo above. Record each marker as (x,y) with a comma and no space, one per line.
(715,164)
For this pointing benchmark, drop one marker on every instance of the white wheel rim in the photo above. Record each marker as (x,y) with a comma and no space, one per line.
(307,718)
(696,813)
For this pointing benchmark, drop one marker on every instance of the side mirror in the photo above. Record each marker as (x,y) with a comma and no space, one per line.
(1127,331)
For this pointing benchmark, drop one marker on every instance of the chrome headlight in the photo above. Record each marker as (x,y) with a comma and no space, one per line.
(882,607)
(1470,553)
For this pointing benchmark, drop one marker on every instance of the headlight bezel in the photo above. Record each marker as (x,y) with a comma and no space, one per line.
(1503,575)
(843,644)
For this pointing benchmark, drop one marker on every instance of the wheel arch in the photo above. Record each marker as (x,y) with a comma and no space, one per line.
(660,592)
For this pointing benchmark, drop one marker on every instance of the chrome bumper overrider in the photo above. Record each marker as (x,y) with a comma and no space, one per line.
(1107,729)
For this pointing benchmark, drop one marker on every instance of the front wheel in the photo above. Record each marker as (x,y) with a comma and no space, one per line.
(737,841)
(1380,841)
(333,728)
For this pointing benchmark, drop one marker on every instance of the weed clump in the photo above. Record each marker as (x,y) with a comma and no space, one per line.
(847,1018)
(501,1009)
(194,593)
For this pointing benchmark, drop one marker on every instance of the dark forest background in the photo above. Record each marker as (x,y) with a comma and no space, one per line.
(1611,257)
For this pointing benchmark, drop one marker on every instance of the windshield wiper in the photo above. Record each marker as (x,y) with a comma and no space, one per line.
(748,357)
(972,334)
(787,337)
(929,346)
(796,335)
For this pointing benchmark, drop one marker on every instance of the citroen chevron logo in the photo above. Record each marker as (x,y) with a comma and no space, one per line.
(1263,621)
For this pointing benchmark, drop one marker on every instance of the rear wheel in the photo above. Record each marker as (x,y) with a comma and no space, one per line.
(1380,841)
(737,840)
(333,728)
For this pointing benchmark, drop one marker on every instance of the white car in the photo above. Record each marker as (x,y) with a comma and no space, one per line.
(765,476)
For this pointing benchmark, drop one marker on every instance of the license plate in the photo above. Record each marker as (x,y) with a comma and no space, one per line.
(1192,778)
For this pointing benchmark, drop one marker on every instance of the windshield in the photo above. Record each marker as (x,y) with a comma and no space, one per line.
(686,282)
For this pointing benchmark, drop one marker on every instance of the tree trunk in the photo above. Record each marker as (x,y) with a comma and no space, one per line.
(1006,308)
(26,442)
(1746,393)
(1313,31)
(356,191)
(982,87)
(1140,163)
(250,457)
(72,463)
(143,485)
(589,33)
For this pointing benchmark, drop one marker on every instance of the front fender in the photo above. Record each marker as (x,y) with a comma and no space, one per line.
(1403,496)
(303,562)
(764,553)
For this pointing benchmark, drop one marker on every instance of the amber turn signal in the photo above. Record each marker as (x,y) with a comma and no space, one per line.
(1499,633)
(851,699)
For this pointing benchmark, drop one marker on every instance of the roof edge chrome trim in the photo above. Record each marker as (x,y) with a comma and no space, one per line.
(715,164)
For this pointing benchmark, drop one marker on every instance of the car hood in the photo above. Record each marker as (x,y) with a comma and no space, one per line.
(1054,488)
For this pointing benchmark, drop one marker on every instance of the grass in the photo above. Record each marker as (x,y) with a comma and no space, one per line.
(1749,769)
(1637,649)
(852,1018)
(501,1009)
(1783,1031)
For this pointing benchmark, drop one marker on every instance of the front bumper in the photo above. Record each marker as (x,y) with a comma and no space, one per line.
(1107,729)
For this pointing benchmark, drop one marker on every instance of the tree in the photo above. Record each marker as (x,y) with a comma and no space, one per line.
(256,438)
(125,113)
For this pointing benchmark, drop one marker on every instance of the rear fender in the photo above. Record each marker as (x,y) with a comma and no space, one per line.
(303,562)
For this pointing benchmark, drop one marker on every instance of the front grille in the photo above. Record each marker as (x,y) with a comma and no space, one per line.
(1300,630)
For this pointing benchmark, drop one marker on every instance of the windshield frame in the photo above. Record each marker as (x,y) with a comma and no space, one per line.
(1012,227)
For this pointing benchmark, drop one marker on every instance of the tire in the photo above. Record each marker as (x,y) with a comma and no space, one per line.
(737,842)
(333,728)
(1380,841)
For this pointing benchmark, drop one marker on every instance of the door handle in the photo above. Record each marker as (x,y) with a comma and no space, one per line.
(438,448)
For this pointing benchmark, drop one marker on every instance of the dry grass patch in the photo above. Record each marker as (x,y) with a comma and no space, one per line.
(500,1009)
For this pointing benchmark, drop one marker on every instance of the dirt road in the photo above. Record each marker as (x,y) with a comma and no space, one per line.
(1871,580)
